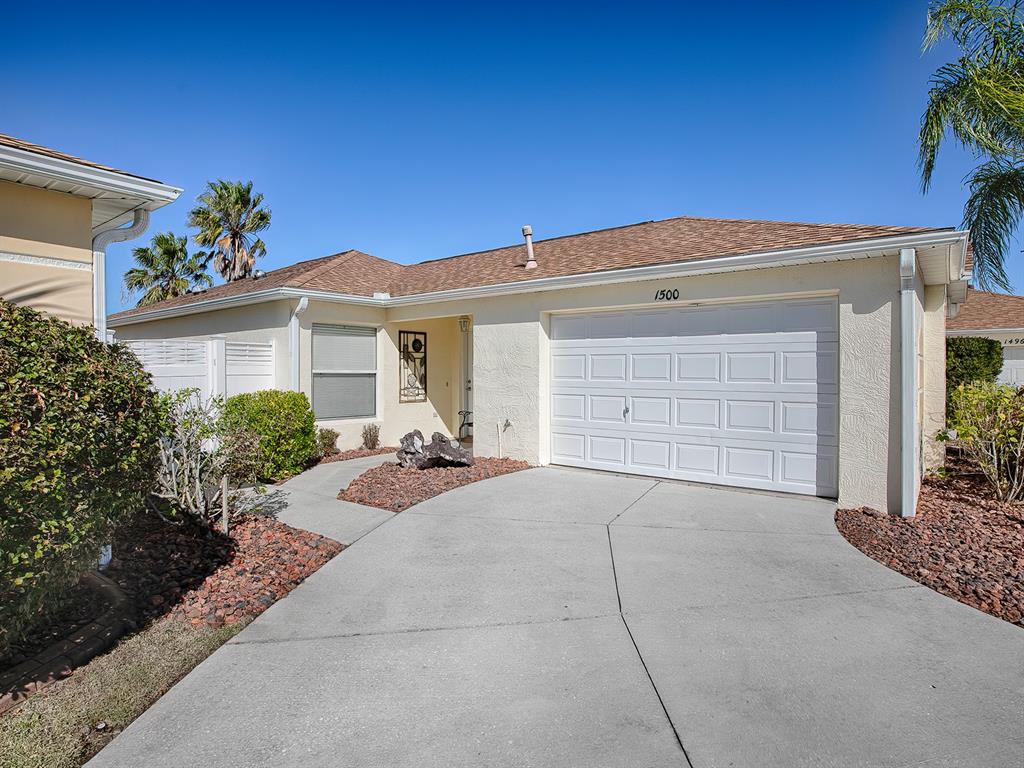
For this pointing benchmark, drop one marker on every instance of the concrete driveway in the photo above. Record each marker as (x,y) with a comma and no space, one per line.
(567,618)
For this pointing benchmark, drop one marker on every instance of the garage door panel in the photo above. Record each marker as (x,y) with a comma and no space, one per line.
(569,367)
(698,412)
(750,367)
(750,415)
(653,411)
(698,367)
(734,394)
(653,366)
(607,450)
(608,367)
(656,454)
(608,408)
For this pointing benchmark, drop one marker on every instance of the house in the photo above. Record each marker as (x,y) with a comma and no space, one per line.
(58,214)
(995,316)
(807,358)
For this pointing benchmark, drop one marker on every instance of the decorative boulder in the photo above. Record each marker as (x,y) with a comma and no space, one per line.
(416,452)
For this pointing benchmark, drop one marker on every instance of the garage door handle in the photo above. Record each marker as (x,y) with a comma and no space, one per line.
(625,410)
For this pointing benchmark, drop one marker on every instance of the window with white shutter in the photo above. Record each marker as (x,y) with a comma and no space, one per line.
(344,371)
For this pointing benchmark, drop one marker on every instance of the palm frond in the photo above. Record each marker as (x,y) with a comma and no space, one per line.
(992,213)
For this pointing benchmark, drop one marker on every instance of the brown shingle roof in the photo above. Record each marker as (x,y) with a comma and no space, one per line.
(654,242)
(28,146)
(984,310)
(351,272)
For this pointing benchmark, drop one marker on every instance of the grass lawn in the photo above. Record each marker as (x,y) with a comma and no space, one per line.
(69,722)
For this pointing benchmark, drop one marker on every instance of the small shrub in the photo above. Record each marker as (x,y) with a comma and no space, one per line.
(970,359)
(198,447)
(988,423)
(326,442)
(284,424)
(78,445)
(371,436)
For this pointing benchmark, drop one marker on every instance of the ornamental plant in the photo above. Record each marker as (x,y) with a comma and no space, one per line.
(78,445)
(987,422)
(285,426)
(326,442)
(198,449)
(970,359)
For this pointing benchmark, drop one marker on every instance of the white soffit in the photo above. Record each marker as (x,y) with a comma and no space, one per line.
(114,194)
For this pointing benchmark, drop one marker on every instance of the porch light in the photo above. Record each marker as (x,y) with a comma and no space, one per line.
(464,323)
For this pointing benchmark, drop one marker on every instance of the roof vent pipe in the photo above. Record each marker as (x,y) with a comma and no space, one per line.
(531,261)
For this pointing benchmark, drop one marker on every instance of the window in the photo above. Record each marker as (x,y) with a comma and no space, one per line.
(412,367)
(344,371)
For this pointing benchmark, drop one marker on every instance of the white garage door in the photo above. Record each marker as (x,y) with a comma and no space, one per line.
(738,394)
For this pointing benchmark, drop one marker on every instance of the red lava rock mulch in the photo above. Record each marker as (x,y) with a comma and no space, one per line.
(393,488)
(962,543)
(216,579)
(357,453)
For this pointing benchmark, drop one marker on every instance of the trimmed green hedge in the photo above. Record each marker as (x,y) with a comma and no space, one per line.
(971,359)
(285,425)
(78,444)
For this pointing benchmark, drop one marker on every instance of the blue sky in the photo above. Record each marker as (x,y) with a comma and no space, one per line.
(421,131)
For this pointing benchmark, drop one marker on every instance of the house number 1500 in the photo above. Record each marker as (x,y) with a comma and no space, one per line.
(670,294)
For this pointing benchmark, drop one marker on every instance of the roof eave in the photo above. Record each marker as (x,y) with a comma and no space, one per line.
(155,193)
(847,250)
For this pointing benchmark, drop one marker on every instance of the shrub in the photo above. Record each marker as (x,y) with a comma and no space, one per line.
(78,443)
(970,359)
(371,436)
(988,423)
(326,442)
(284,424)
(197,449)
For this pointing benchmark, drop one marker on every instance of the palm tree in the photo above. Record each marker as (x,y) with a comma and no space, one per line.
(166,270)
(979,100)
(228,216)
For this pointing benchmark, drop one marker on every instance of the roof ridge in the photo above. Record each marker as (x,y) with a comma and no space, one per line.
(327,266)
(329,261)
(679,218)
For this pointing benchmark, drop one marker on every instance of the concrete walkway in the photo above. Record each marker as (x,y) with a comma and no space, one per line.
(564,618)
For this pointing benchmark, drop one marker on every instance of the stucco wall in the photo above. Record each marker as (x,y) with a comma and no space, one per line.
(51,225)
(933,386)
(511,358)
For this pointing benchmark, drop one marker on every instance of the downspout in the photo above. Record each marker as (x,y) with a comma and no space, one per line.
(100,242)
(293,339)
(908,385)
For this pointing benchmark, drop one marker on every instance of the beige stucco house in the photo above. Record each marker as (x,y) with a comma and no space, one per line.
(58,213)
(996,316)
(805,358)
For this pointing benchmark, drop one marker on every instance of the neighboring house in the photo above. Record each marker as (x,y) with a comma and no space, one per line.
(759,354)
(995,316)
(58,213)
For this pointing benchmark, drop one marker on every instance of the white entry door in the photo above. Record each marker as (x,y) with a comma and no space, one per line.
(735,394)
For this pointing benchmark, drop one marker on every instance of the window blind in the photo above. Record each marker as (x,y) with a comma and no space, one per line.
(344,348)
(344,371)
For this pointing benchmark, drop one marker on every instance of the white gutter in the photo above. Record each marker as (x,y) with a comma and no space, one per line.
(68,171)
(100,242)
(832,252)
(908,385)
(983,332)
(293,340)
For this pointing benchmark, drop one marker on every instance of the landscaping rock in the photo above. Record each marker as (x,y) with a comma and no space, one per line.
(205,577)
(962,543)
(394,488)
(439,452)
